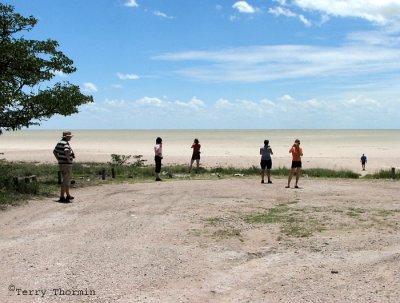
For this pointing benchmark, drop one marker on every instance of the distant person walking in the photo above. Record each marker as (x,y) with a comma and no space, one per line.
(65,156)
(196,155)
(266,161)
(297,153)
(363,161)
(158,157)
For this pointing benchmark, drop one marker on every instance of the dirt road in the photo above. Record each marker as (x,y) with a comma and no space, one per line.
(230,240)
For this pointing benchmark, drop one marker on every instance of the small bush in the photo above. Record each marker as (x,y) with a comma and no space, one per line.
(121,160)
(383,174)
(330,173)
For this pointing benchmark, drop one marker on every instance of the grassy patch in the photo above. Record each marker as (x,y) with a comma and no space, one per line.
(386,213)
(383,174)
(295,222)
(132,169)
(330,173)
(304,228)
(355,212)
(226,233)
(213,221)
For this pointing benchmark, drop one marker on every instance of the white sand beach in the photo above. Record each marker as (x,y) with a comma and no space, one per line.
(334,149)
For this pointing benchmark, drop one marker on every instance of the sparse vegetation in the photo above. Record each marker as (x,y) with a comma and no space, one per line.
(298,222)
(295,222)
(131,168)
(383,174)
(226,233)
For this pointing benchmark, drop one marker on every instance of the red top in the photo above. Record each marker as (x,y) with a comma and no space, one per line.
(196,147)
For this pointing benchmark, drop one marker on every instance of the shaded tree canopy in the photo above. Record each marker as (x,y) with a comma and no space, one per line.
(24,65)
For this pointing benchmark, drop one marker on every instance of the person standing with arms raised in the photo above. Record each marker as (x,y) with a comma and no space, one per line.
(266,161)
(196,155)
(297,153)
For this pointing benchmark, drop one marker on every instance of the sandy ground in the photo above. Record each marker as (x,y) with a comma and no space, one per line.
(326,149)
(189,241)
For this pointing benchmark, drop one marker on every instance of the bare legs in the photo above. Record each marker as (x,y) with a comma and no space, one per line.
(292,172)
(268,175)
(66,171)
(66,177)
(197,165)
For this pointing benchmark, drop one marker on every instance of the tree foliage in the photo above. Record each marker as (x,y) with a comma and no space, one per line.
(24,66)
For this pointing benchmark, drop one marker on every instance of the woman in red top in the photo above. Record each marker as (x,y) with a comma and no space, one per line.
(196,154)
(297,153)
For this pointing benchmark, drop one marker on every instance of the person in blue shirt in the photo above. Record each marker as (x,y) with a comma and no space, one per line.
(363,160)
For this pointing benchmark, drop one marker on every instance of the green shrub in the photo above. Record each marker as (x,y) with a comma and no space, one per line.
(330,173)
(383,174)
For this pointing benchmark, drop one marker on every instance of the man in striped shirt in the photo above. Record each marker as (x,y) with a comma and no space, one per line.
(65,156)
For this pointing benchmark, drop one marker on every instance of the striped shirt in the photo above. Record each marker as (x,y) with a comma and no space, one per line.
(61,149)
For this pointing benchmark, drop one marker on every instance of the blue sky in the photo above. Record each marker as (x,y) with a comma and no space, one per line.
(201,64)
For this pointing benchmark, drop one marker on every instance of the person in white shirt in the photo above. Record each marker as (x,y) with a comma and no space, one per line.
(158,157)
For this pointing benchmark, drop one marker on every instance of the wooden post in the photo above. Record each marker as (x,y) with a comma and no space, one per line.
(113,172)
(26,179)
(15,180)
(393,173)
(103,174)
(29,179)
(59,177)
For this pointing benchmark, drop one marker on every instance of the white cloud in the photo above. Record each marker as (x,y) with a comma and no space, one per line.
(222,103)
(194,103)
(304,20)
(286,98)
(374,38)
(127,76)
(248,104)
(377,11)
(162,15)
(286,111)
(313,105)
(281,2)
(115,103)
(362,102)
(131,3)
(267,102)
(58,73)
(93,108)
(277,62)
(244,7)
(282,11)
(89,87)
(151,101)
